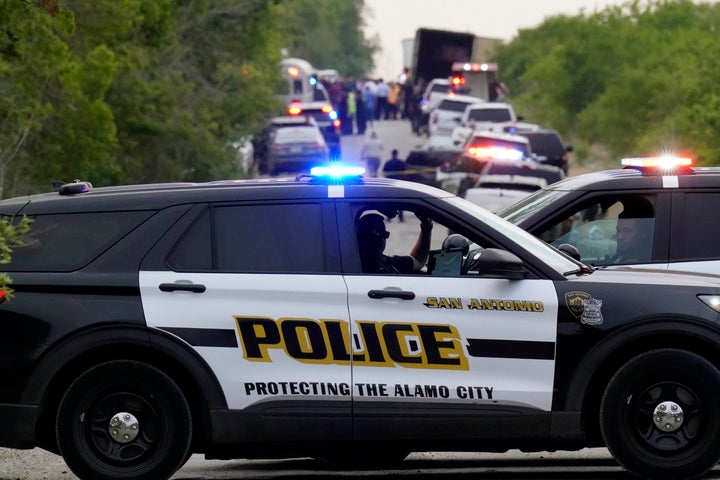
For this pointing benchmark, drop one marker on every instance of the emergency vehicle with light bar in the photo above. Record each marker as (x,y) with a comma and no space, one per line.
(495,153)
(302,82)
(474,78)
(235,319)
(671,202)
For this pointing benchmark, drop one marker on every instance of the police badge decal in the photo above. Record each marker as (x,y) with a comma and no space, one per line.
(581,305)
(591,313)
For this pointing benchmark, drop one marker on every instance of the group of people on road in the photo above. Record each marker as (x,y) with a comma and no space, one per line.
(360,103)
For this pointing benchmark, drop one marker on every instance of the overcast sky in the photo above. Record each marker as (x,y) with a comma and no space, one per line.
(394,20)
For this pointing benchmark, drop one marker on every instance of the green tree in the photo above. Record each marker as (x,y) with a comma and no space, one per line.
(636,78)
(329,34)
(43,93)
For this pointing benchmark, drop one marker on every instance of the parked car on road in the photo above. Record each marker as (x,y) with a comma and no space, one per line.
(495,153)
(497,191)
(261,141)
(296,149)
(423,162)
(327,121)
(484,116)
(448,113)
(549,147)
(435,90)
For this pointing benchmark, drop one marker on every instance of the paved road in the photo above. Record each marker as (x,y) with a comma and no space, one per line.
(589,464)
(392,133)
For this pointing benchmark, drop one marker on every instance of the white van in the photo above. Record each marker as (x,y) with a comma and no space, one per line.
(303,85)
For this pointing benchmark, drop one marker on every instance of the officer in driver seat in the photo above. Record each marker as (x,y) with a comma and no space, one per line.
(372,239)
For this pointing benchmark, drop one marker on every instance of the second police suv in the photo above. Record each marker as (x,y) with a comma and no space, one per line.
(241,319)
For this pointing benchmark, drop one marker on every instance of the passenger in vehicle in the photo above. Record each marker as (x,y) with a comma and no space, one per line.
(633,236)
(372,239)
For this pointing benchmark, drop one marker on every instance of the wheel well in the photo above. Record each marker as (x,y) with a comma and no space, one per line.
(627,351)
(60,382)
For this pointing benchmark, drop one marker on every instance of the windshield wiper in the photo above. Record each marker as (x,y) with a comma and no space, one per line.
(583,270)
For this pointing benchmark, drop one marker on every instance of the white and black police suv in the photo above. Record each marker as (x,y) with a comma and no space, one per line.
(667,204)
(236,319)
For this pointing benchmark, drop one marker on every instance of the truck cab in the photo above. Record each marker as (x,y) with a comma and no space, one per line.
(484,116)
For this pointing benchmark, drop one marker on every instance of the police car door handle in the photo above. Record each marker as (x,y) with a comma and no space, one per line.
(402,295)
(182,287)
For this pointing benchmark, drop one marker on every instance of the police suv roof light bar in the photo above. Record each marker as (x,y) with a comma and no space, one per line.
(334,174)
(663,162)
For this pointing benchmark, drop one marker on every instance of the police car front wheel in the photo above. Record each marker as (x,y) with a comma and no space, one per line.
(660,415)
(124,419)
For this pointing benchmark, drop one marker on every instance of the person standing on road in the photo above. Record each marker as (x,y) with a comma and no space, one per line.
(361,117)
(393,101)
(368,98)
(381,100)
(371,154)
(351,110)
(393,168)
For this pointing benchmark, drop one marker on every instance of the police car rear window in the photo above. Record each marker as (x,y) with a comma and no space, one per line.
(254,238)
(67,242)
(453,105)
(700,241)
(490,115)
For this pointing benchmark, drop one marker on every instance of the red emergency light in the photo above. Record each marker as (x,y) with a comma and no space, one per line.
(457,80)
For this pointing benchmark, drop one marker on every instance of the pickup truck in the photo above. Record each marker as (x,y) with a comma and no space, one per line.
(486,116)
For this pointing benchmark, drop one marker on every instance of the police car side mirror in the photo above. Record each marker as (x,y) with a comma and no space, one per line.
(570,250)
(494,262)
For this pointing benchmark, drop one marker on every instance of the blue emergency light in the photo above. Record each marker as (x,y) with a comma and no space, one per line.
(337,172)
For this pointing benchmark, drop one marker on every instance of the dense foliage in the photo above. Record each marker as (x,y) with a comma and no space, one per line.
(639,78)
(127,91)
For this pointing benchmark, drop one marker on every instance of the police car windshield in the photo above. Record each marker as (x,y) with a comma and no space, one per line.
(552,257)
(523,209)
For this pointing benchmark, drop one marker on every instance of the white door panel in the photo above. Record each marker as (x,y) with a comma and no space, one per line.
(295,331)
(469,339)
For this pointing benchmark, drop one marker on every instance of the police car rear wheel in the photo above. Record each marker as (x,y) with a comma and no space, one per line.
(660,417)
(124,419)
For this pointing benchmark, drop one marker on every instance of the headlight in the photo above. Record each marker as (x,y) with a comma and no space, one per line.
(712,301)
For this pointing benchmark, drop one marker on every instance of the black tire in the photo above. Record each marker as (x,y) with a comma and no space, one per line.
(154,451)
(637,428)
